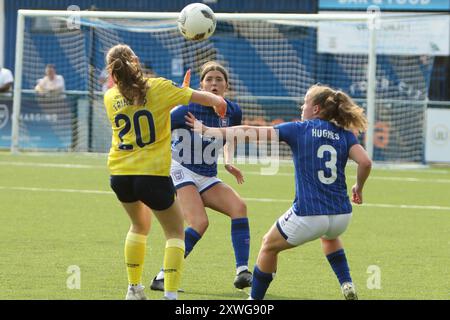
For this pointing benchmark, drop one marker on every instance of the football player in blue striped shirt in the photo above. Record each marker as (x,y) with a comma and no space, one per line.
(321,145)
(194,173)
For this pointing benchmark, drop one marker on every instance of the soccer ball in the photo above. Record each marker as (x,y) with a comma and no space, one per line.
(197,21)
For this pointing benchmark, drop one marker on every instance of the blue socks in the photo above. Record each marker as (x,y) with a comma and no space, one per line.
(191,237)
(338,262)
(262,280)
(240,236)
(260,283)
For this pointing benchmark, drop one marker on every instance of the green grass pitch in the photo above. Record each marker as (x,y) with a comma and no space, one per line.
(58,211)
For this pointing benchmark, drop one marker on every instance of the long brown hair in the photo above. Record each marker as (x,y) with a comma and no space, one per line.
(124,67)
(338,107)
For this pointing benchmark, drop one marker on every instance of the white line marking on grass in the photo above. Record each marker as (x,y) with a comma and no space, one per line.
(404,206)
(284,174)
(406,179)
(435,171)
(50,165)
(378,205)
(56,190)
(402,179)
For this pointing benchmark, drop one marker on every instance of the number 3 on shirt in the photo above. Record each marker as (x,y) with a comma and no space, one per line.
(145,114)
(331,164)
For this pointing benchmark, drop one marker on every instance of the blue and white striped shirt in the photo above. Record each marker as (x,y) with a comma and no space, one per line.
(320,151)
(197,162)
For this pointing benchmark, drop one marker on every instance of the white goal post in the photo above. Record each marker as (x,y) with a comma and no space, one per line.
(273,44)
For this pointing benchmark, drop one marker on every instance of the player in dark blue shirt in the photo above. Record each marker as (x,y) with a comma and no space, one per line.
(201,161)
(194,173)
(321,145)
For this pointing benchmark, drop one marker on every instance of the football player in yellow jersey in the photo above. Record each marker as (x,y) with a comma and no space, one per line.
(140,158)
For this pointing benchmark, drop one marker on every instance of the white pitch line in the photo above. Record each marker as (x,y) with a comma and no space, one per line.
(405,206)
(50,165)
(56,190)
(406,179)
(282,163)
(377,205)
(283,174)
(401,179)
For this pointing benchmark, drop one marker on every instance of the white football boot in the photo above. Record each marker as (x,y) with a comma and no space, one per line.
(349,291)
(136,293)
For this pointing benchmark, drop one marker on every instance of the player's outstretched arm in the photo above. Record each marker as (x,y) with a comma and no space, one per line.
(360,156)
(252,133)
(210,99)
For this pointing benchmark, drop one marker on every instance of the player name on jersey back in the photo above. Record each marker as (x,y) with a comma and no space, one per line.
(324,133)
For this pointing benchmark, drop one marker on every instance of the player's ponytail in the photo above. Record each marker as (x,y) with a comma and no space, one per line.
(124,67)
(338,107)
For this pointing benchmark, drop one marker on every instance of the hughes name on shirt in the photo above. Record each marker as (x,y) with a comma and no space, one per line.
(317,133)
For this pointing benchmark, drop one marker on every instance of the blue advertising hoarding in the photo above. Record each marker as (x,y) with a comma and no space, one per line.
(44,123)
(394,5)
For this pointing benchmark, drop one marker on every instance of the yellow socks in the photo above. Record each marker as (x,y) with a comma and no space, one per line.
(135,245)
(173,264)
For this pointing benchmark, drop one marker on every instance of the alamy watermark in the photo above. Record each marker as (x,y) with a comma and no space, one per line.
(252,146)
(73,21)
(374,280)
(74,279)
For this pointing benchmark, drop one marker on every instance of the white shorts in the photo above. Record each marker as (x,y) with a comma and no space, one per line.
(301,229)
(182,176)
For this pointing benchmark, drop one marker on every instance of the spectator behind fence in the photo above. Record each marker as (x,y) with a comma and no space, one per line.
(51,83)
(6,80)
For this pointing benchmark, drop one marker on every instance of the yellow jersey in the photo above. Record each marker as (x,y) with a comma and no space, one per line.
(141,135)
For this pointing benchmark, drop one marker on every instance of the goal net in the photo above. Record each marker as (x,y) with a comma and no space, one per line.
(272,61)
